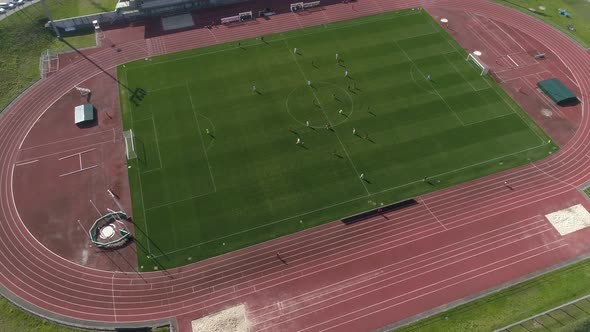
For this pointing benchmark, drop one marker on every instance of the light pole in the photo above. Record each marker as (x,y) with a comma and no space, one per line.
(51,20)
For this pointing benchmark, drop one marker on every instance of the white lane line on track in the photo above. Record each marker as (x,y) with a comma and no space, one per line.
(27,162)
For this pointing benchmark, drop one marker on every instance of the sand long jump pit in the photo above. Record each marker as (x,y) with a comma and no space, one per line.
(232,319)
(569,220)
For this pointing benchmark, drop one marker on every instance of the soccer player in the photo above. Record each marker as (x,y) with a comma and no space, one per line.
(295,50)
(308,82)
(307,123)
(253,88)
(354,131)
(362,176)
(346,73)
(340,112)
(298,141)
(428,77)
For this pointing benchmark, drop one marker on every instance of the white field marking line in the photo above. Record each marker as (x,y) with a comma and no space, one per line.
(348,201)
(507,34)
(26,162)
(113,295)
(517,113)
(178,201)
(157,142)
(77,154)
(78,171)
(174,86)
(391,275)
(315,258)
(416,82)
(509,57)
(97,210)
(331,28)
(214,36)
(300,274)
(190,98)
(460,74)
(329,233)
(439,289)
(362,181)
(554,177)
(489,119)
(397,281)
(505,234)
(462,168)
(149,250)
(65,140)
(432,85)
(433,215)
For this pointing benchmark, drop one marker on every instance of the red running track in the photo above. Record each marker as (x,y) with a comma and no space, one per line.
(457,242)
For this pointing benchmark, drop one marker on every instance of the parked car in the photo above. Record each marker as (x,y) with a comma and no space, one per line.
(2,11)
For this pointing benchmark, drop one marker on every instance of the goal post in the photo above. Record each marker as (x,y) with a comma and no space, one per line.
(477,61)
(129,144)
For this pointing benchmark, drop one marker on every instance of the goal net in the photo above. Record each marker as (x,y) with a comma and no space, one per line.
(129,144)
(48,63)
(477,61)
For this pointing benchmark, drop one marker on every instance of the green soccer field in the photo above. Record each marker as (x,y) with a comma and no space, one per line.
(218,166)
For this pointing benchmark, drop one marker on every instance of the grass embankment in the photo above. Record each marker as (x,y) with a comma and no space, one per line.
(23,38)
(512,304)
(580,10)
(14,319)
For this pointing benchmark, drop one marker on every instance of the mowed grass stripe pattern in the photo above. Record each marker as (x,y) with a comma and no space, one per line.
(197,194)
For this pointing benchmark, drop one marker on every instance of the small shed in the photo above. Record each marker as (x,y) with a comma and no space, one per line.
(83,113)
(558,92)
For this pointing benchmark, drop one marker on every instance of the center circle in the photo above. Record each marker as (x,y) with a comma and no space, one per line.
(321,103)
(107,232)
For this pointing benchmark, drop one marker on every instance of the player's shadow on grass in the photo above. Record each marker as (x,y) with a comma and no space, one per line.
(141,154)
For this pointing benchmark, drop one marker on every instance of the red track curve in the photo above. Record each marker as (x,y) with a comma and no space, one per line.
(344,278)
